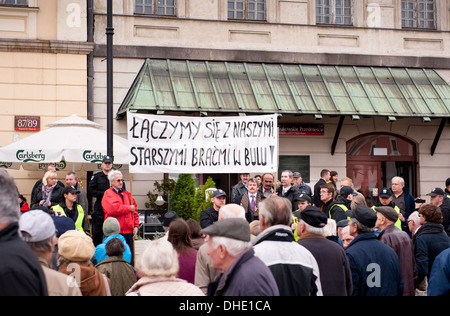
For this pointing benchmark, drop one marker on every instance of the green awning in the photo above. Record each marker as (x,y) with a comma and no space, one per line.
(253,88)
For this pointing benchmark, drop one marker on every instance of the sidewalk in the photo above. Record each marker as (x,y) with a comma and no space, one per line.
(140,246)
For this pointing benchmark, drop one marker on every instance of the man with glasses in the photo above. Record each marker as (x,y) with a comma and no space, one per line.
(97,186)
(118,203)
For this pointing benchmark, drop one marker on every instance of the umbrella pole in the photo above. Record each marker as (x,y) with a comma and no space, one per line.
(131,203)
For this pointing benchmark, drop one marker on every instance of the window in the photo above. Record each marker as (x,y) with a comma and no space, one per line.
(158,7)
(418,14)
(334,12)
(14,2)
(247,10)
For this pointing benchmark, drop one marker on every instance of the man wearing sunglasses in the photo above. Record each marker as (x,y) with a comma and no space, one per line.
(118,203)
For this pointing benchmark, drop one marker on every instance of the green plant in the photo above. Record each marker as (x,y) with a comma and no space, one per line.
(182,199)
(163,188)
(200,201)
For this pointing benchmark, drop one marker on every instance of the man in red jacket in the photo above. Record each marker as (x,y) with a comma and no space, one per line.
(117,203)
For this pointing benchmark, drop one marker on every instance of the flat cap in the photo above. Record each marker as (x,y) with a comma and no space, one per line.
(313,216)
(234,228)
(388,212)
(364,215)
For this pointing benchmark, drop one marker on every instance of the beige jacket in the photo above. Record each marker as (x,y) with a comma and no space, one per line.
(163,286)
(57,282)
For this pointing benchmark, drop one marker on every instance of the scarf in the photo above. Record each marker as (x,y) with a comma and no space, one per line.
(47,192)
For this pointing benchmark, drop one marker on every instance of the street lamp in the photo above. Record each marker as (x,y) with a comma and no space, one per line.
(109,78)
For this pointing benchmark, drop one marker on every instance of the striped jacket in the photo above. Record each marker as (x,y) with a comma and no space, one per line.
(293,266)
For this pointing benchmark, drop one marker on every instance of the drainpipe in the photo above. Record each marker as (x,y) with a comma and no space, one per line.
(90,61)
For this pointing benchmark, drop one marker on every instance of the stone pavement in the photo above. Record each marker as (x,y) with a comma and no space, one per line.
(140,245)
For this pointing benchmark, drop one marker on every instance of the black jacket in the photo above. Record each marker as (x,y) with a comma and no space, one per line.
(208,217)
(36,194)
(291,195)
(20,271)
(97,186)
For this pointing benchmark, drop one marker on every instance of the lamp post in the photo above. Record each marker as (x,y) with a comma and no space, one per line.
(109,78)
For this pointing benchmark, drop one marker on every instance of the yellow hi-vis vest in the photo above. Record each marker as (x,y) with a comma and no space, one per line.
(295,221)
(79,222)
(398,223)
(342,206)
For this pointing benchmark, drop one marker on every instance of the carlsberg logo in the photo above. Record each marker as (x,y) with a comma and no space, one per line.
(93,157)
(21,155)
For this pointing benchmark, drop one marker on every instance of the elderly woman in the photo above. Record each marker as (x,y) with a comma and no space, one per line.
(49,193)
(158,267)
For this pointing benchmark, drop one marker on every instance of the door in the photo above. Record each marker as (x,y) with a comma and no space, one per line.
(374,159)
(366,178)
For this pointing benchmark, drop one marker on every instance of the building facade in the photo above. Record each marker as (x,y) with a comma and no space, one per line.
(43,70)
(379,36)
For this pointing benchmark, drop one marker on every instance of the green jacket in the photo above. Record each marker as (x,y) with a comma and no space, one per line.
(121,274)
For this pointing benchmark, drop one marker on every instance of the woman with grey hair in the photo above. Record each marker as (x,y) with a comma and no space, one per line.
(157,268)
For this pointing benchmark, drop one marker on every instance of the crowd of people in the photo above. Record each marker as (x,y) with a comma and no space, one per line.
(271,239)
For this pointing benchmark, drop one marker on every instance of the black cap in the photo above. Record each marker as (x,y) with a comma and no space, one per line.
(302,197)
(168,217)
(386,193)
(447,182)
(364,215)
(107,159)
(69,189)
(218,193)
(436,191)
(314,217)
(346,191)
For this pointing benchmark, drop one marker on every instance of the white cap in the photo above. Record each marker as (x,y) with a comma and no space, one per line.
(38,224)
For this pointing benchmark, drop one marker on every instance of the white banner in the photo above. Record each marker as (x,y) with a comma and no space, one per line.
(174,144)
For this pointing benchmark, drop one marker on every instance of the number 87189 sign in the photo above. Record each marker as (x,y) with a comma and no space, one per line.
(27,123)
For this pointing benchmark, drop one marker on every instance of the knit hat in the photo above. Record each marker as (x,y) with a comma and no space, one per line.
(111,226)
(76,246)
(63,224)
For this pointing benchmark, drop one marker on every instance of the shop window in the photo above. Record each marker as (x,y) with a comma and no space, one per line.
(295,164)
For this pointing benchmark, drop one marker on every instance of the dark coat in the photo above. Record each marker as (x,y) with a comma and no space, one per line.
(439,282)
(336,212)
(429,241)
(403,247)
(375,267)
(317,201)
(208,217)
(335,273)
(247,276)
(21,273)
(291,195)
(55,199)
